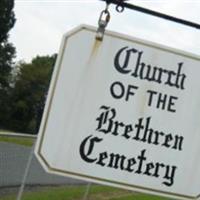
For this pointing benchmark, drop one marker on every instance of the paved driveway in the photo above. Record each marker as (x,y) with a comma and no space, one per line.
(13,159)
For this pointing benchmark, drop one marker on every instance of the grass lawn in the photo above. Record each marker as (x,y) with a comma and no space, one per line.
(17,140)
(77,192)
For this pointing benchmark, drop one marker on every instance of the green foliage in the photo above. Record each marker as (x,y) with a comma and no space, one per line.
(140,197)
(7,18)
(70,193)
(7,51)
(17,140)
(22,94)
(96,192)
(29,94)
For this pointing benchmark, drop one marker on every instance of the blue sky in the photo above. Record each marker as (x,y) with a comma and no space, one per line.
(41,23)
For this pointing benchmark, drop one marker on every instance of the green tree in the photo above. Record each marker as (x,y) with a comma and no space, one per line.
(7,53)
(29,94)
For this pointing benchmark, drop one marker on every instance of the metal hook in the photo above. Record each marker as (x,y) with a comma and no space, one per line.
(120,6)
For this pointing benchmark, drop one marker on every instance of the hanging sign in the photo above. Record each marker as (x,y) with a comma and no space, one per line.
(124,112)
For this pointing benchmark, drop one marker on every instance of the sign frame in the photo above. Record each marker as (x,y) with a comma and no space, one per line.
(47,109)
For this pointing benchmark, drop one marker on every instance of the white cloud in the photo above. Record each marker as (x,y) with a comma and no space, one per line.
(162,31)
(41,23)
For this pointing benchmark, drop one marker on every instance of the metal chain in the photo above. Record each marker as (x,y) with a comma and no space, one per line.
(104,18)
(103,21)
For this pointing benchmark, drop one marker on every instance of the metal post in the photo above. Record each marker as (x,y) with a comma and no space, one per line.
(86,194)
(21,190)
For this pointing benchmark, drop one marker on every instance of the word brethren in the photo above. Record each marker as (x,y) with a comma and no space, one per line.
(140,131)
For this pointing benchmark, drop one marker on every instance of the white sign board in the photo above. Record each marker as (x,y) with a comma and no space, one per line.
(124,112)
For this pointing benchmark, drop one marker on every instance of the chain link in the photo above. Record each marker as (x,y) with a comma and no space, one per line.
(103,21)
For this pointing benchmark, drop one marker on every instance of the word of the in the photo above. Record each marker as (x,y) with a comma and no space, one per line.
(154,99)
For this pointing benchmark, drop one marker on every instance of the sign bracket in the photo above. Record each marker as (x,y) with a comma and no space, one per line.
(121,4)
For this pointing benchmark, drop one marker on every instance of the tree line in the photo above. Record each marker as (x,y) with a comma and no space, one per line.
(23,86)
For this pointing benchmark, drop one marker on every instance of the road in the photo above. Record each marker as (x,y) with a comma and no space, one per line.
(13,160)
